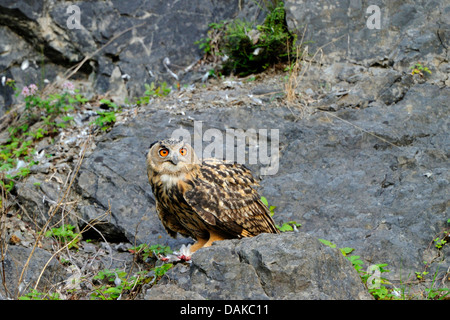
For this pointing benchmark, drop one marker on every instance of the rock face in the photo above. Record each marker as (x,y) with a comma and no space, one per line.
(14,262)
(380,33)
(52,36)
(363,150)
(287,266)
(373,179)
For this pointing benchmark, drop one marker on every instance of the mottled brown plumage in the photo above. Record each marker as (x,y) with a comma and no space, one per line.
(208,201)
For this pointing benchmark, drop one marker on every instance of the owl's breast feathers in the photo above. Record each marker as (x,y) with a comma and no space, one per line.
(217,196)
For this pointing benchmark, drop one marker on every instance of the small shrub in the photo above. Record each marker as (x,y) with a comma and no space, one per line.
(152,91)
(106,119)
(249,48)
(65,235)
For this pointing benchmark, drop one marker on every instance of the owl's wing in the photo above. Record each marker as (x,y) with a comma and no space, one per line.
(223,195)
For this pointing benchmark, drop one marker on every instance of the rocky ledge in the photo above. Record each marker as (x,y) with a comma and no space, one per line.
(286,266)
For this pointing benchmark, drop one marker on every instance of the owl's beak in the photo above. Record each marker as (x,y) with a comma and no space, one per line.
(174,159)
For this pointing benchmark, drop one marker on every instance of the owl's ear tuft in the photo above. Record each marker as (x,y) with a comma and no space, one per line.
(153,143)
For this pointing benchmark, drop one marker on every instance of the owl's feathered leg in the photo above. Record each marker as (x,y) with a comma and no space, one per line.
(213,237)
(206,242)
(199,244)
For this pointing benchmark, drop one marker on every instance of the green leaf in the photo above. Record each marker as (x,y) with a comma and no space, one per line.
(327,243)
(264,200)
(357,263)
(113,290)
(345,251)
(67,118)
(161,270)
(285,227)
(159,249)
(80,99)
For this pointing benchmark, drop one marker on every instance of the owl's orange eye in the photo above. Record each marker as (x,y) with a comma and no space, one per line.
(163,153)
(183,151)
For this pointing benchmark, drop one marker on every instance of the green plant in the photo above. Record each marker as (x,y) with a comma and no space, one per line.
(209,45)
(286,226)
(55,103)
(16,153)
(36,295)
(436,293)
(375,284)
(419,69)
(40,133)
(7,186)
(439,243)
(204,44)
(160,249)
(151,91)
(15,149)
(113,284)
(251,48)
(266,203)
(162,90)
(421,275)
(442,238)
(109,275)
(327,243)
(109,104)
(65,235)
(161,270)
(145,251)
(355,260)
(105,120)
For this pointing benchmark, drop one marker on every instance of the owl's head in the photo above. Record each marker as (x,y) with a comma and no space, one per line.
(171,156)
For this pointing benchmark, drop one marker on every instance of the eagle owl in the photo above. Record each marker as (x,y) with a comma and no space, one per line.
(208,201)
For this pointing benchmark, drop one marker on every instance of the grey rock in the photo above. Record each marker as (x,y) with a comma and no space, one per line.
(163,29)
(171,292)
(39,195)
(354,197)
(409,33)
(286,266)
(14,262)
